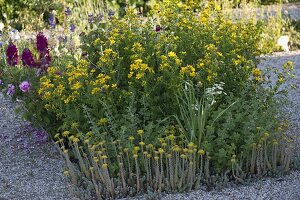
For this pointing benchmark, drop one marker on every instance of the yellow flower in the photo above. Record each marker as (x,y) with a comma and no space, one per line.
(59,89)
(188,70)
(131,138)
(201,65)
(164,144)
(172,54)
(137,47)
(201,152)
(104,166)
(191,145)
(281,80)
(97,41)
(177,61)
(51,70)
(142,143)
(150,146)
(47,106)
(192,74)
(102,121)
(161,151)
(76,140)
(89,134)
(66,173)
(107,51)
(171,137)
(139,76)
(266,134)
(130,74)
(183,156)
(95,90)
(176,148)
(76,86)
(66,133)
(111,40)
(136,148)
(256,72)
(140,132)
(74,125)
(56,136)
(209,78)
(47,95)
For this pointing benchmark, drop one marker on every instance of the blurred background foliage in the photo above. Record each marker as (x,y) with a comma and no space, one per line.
(33,15)
(19,13)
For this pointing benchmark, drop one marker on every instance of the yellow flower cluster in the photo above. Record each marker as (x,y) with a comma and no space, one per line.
(139,69)
(108,57)
(102,121)
(44,86)
(101,83)
(188,70)
(256,74)
(169,61)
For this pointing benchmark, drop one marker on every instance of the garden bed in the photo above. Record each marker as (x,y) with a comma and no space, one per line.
(175,103)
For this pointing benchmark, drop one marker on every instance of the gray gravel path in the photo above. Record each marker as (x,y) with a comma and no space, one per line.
(291,10)
(30,166)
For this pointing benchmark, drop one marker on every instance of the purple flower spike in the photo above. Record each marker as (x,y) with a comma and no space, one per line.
(25,86)
(12,55)
(41,43)
(111,13)
(90,18)
(1,82)
(45,61)
(27,58)
(52,21)
(11,89)
(72,28)
(68,11)
(100,16)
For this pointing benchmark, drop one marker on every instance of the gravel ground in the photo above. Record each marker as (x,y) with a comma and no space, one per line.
(30,166)
(288,10)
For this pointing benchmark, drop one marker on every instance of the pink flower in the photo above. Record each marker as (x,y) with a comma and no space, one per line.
(25,86)
(158,28)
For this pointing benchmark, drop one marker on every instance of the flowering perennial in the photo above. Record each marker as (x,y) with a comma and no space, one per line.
(27,58)
(25,86)
(12,55)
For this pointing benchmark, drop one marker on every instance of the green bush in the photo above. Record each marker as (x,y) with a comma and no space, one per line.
(21,13)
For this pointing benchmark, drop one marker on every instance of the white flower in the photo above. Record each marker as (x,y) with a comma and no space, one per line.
(14,35)
(1,26)
(195,106)
(53,44)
